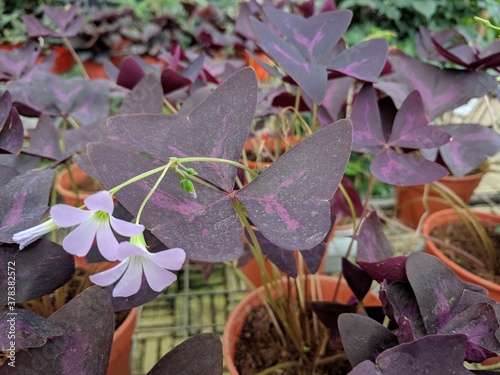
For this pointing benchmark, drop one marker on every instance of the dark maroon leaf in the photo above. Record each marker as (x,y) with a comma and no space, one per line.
(391,269)
(290,198)
(88,324)
(172,81)
(328,313)
(340,208)
(11,135)
(372,242)
(145,97)
(44,139)
(471,144)
(32,265)
(436,287)
(217,127)
(281,258)
(363,338)
(363,61)
(359,281)
(23,201)
(200,354)
(479,323)
(130,73)
(441,89)
(31,330)
(313,257)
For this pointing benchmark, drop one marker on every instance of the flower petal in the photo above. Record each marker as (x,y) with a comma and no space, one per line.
(106,241)
(131,281)
(157,277)
(125,228)
(79,241)
(126,249)
(110,276)
(171,259)
(100,201)
(66,216)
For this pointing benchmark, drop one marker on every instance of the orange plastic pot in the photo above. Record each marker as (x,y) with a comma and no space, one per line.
(409,199)
(260,72)
(95,70)
(64,186)
(64,60)
(443,217)
(240,314)
(119,360)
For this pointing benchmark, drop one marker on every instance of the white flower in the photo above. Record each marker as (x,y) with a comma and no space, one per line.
(25,237)
(94,223)
(136,260)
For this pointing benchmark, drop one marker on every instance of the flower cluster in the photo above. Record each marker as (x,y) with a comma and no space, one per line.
(97,223)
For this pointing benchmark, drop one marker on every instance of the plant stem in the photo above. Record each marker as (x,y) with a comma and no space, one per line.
(216,160)
(75,57)
(350,97)
(279,366)
(169,106)
(314,117)
(349,202)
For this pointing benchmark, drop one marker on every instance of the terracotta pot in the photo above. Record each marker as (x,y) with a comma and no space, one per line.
(240,314)
(95,70)
(65,187)
(260,72)
(64,60)
(443,217)
(409,198)
(119,361)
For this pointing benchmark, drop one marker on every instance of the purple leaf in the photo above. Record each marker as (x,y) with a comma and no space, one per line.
(5,106)
(363,338)
(6,174)
(88,324)
(61,16)
(281,258)
(145,97)
(340,208)
(436,287)
(31,330)
(363,61)
(471,144)
(67,24)
(12,133)
(217,127)
(391,269)
(130,73)
(200,354)
(172,81)
(23,201)
(365,368)
(359,281)
(18,62)
(44,140)
(32,266)
(328,313)
(441,89)
(290,197)
(373,245)
(313,257)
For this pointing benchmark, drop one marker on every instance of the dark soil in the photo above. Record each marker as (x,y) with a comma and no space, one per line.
(457,234)
(260,347)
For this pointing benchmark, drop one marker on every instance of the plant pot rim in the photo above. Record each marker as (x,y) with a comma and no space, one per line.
(442,217)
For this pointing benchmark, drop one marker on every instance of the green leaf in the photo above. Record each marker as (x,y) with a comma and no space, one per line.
(427,8)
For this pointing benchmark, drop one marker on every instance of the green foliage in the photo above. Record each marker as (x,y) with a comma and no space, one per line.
(145,10)
(358,171)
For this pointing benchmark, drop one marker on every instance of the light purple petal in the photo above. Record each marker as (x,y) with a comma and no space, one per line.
(126,228)
(67,216)
(158,278)
(79,241)
(100,201)
(131,281)
(106,241)
(171,259)
(108,277)
(126,249)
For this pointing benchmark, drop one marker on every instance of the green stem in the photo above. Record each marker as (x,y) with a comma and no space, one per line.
(75,56)
(315,117)
(137,178)
(349,202)
(216,160)
(279,366)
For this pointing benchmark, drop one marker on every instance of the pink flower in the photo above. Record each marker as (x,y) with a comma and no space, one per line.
(93,223)
(136,260)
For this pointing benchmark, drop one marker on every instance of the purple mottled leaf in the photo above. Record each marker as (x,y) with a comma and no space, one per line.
(435,354)
(206,227)
(23,201)
(411,128)
(31,330)
(86,101)
(145,97)
(281,258)
(313,257)
(12,132)
(359,281)
(391,269)
(217,127)
(479,323)
(372,242)
(289,201)
(130,73)
(66,21)
(32,265)
(88,324)
(44,139)
(471,144)
(436,287)
(172,81)
(194,100)
(363,61)
(200,354)
(309,76)
(17,62)
(365,117)
(328,313)
(441,89)
(363,338)
(405,169)
(315,37)
(6,174)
